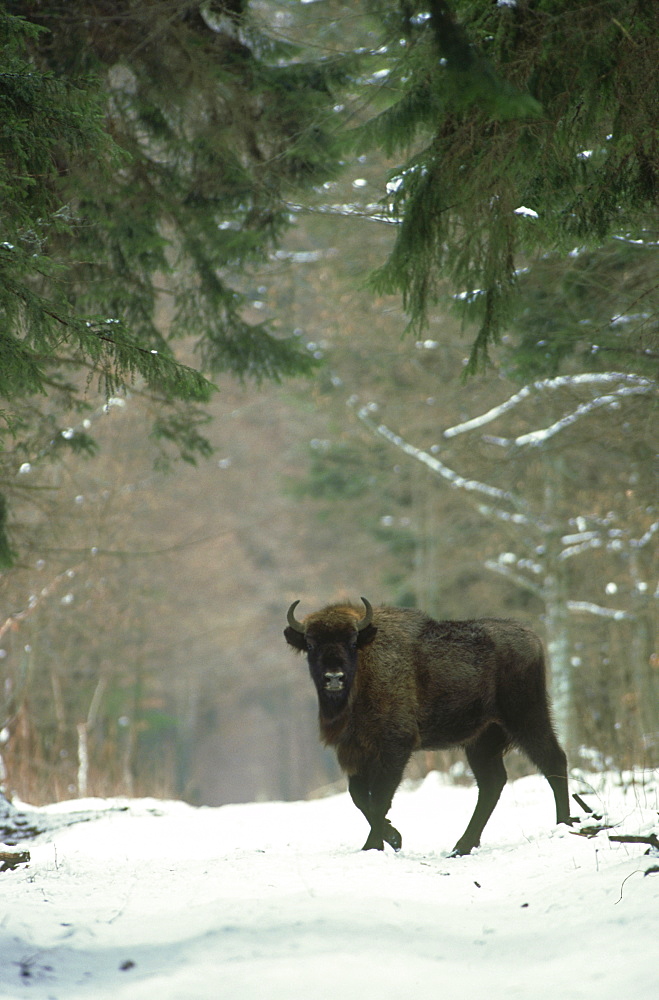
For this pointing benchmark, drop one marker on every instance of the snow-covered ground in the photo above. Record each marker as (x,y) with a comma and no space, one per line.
(155,900)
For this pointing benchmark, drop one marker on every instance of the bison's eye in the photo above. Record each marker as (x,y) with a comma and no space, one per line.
(352,642)
(311,643)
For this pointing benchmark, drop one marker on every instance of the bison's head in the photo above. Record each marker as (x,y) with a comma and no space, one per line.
(332,638)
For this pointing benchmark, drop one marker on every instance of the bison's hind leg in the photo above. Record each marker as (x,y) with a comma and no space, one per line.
(485,756)
(527,719)
(544,750)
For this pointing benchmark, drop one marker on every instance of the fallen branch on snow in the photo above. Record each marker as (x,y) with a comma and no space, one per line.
(592,831)
(12,857)
(630,838)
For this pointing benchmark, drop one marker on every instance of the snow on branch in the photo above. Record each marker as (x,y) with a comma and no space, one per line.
(536,438)
(627,385)
(576,607)
(639,543)
(455,479)
(371,212)
(588,607)
(496,566)
(452,477)
(594,539)
(576,549)
(510,518)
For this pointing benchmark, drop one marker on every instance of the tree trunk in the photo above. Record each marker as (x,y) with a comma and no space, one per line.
(644,663)
(560,667)
(556,608)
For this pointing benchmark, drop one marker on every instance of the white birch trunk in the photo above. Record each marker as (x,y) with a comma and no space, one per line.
(556,608)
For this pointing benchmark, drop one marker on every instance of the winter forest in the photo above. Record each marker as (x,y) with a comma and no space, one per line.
(305,299)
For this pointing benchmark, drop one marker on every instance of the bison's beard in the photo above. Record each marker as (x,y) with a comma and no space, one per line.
(332,701)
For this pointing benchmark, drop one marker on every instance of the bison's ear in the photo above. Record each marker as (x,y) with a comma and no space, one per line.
(295,639)
(366,636)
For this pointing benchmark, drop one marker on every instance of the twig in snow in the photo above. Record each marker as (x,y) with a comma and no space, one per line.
(584,805)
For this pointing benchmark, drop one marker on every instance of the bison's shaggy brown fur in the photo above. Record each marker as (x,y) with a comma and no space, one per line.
(394,680)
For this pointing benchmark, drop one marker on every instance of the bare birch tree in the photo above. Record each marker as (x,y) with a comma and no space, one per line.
(547,535)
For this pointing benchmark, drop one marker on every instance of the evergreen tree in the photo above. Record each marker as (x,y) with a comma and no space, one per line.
(526,127)
(594,308)
(147,150)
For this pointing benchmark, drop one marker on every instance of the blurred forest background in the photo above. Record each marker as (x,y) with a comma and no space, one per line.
(143,601)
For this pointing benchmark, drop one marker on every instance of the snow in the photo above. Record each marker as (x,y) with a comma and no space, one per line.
(276,901)
(530,213)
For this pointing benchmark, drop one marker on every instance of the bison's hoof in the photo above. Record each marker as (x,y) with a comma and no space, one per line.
(373,845)
(461,849)
(393,837)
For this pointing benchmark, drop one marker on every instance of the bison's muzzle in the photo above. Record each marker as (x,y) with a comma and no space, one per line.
(334,680)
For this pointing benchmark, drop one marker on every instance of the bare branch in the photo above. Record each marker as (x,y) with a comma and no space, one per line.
(634,383)
(516,578)
(536,438)
(525,520)
(433,463)
(585,546)
(371,213)
(35,600)
(631,838)
(587,607)
(639,543)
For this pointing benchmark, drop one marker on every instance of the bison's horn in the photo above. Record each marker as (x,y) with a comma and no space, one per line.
(368,617)
(292,620)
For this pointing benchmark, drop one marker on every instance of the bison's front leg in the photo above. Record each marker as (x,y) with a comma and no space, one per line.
(373,795)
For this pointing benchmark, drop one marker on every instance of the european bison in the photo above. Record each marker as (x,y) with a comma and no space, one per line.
(394,680)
